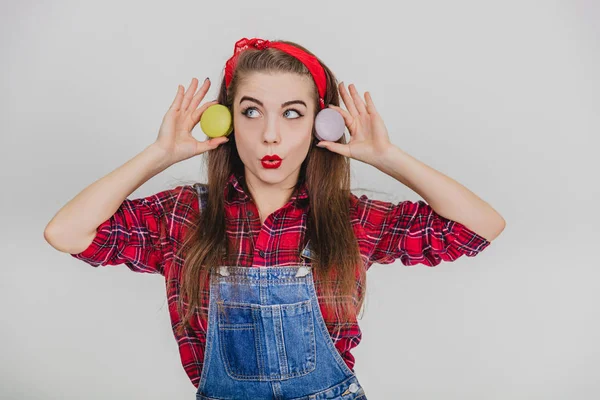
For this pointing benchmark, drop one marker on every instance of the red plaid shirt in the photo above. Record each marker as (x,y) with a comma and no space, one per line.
(145,233)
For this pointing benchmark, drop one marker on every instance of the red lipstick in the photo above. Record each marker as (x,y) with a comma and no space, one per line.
(272,161)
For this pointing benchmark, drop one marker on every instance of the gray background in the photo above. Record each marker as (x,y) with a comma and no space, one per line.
(501,96)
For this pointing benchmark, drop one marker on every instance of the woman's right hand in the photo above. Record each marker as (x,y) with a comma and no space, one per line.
(175,134)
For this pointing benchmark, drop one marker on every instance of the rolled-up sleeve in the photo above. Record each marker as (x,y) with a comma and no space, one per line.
(137,234)
(413,232)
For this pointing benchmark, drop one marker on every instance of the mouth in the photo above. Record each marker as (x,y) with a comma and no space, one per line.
(271,164)
(273,161)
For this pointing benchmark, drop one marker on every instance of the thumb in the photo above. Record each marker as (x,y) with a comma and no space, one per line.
(210,144)
(335,147)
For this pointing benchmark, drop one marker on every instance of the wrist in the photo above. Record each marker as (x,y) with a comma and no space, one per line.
(387,158)
(159,156)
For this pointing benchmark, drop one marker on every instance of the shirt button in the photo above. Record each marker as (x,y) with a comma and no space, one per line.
(353,388)
(261,253)
(250,213)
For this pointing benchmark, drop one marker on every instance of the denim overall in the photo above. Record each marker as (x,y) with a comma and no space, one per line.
(267,339)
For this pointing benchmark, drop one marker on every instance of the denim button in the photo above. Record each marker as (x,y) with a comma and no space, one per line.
(353,388)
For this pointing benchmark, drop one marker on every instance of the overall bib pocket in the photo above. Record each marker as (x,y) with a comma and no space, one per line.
(266,342)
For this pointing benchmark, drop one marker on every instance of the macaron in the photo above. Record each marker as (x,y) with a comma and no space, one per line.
(216,121)
(329,125)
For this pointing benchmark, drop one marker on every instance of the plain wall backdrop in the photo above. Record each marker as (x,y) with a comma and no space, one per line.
(501,96)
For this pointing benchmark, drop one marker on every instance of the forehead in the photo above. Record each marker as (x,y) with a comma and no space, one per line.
(275,88)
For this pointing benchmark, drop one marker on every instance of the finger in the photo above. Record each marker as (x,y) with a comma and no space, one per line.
(200,95)
(189,93)
(210,144)
(197,114)
(176,105)
(358,102)
(348,102)
(370,105)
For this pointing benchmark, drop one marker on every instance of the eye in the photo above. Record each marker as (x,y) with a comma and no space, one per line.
(247,110)
(296,111)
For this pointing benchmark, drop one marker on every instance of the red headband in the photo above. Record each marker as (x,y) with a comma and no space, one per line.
(311,62)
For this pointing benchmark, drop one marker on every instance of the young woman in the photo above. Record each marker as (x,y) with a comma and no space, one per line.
(265,264)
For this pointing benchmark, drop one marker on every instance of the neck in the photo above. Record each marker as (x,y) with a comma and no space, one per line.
(270,197)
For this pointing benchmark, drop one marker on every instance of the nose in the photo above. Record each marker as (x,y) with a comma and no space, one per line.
(271,132)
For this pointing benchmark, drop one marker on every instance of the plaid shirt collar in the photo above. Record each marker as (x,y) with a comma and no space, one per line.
(240,195)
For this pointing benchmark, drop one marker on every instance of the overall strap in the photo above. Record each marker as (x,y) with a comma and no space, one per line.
(202,190)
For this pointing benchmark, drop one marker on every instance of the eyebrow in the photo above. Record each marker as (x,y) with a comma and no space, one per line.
(287,103)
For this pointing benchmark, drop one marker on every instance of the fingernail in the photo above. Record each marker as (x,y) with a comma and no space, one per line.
(207,79)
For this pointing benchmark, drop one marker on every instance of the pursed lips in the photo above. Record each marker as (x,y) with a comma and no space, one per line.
(273,157)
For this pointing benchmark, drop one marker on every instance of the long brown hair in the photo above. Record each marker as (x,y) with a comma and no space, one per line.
(337,264)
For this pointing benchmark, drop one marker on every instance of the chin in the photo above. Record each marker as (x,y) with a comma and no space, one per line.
(267,175)
(271,175)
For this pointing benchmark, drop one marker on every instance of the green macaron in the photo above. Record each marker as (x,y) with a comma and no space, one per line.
(216,121)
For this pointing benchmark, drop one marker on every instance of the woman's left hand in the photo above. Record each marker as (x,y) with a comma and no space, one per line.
(369,138)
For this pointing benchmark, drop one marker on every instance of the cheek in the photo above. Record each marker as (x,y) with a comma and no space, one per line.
(301,146)
(247,132)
